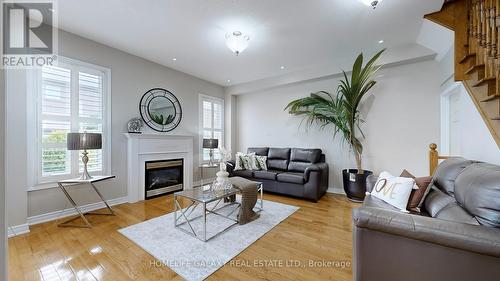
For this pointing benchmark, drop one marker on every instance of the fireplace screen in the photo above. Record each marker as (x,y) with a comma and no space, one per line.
(163,177)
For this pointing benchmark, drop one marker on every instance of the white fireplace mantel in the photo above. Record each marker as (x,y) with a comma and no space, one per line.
(151,147)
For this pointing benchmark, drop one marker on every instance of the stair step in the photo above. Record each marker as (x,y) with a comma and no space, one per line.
(490,98)
(468,71)
(496,118)
(467,56)
(483,81)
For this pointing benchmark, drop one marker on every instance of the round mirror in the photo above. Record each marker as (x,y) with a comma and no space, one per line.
(160,110)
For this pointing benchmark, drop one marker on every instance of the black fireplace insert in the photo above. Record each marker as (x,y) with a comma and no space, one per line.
(163,177)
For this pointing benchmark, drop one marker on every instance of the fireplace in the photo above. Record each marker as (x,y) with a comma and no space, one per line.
(163,176)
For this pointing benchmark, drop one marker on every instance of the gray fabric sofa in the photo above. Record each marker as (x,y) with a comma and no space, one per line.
(457,238)
(296,172)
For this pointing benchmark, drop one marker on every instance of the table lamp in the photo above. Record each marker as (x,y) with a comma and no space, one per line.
(84,141)
(211,144)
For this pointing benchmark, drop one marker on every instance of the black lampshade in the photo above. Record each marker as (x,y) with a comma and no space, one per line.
(210,143)
(83,141)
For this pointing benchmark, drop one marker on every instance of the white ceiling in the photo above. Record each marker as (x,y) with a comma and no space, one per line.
(299,34)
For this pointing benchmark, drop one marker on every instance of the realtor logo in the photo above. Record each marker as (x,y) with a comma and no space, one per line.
(28,34)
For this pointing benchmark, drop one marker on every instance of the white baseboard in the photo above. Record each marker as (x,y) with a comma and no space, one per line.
(18,230)
(335,190)
(71,212)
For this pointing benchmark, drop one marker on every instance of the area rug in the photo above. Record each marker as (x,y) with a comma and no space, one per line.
(196,260)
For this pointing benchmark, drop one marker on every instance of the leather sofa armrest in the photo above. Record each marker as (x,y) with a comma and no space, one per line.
(468,237)
(371,180)
(318,167)
(230,166)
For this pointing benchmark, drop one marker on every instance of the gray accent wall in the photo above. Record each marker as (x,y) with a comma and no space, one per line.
(131,77)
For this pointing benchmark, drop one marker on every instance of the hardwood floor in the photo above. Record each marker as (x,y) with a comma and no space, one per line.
(317,233)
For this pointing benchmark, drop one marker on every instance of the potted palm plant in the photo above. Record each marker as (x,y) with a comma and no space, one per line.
(342,111)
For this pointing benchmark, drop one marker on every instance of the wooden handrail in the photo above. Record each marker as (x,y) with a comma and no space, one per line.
(434,158)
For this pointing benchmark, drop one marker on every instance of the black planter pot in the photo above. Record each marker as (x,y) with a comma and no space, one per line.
(355,184)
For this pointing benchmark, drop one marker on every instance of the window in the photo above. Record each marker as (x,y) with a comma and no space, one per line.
(69,97)
(211,124)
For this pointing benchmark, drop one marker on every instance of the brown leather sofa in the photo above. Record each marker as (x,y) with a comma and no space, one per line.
(296,172)
(457,238)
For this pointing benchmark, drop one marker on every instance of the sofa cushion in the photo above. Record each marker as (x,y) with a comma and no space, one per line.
(278,158)
(269,174)
(453,212)
(243,173)
(301,158)
(261,151)
(291,177)
(446,173)
(436,200)
(477,189)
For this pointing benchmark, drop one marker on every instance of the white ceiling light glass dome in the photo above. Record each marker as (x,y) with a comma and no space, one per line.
(237,42)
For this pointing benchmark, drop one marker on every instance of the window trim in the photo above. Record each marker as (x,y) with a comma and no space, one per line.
(201,98)
(35,181)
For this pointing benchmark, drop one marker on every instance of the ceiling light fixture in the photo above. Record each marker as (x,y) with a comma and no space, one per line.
(228,81)
(282,67)
(174,59)
(237,42)
(371,3)
(381,41)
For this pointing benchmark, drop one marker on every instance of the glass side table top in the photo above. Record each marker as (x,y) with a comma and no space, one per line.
(203,194)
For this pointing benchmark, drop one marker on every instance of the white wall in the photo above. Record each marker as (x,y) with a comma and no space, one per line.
(474,140)
(3,232)
(402,118)
(131,77)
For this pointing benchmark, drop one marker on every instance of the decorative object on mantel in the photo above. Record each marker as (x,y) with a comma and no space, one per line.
(160,110)
(134,125)
(342,111)
(222,179)
(210,144)
(84,141)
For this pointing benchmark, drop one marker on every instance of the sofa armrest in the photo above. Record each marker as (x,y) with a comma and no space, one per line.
(474,238)
(371,180)
(230,166)
(318,167)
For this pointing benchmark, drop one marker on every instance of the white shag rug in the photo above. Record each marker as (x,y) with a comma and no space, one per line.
(196,260)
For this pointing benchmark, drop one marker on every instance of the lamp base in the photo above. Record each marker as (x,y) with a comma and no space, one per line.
(85,159)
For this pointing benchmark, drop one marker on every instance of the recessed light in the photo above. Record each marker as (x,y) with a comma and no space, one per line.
(381,41)
(174,59)
(282,67)
(228,81)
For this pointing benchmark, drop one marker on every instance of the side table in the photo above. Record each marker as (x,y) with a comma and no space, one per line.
(64,184)
(206,166)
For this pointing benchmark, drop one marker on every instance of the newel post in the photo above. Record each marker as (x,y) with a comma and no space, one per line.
(433,158)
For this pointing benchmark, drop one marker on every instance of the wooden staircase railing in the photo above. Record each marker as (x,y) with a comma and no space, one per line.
(477,53)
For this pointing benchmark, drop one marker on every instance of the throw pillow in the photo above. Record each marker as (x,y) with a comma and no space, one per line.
(246,160)
(262,162)
(253,162)
(417,195)
(393,190)
(238,165)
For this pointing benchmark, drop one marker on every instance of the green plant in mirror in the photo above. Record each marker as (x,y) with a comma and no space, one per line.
(160,120)
(341,110)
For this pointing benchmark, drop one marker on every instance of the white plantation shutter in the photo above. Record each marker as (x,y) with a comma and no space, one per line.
(72,98)
(211,123)
(55,120)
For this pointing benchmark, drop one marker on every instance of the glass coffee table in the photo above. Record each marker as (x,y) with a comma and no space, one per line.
(210,202)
